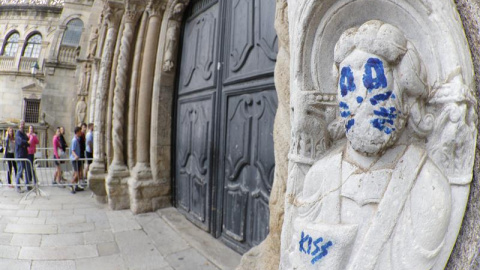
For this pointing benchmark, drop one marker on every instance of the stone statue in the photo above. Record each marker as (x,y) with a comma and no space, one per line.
(92,47)
(172,36)
(80,111)
(170,50)
(376,200)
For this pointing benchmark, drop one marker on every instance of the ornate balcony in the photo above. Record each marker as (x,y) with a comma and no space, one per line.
(7,63)
(52,3)
(67,54)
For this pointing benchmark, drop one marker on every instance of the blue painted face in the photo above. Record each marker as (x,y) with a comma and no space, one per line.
(365,85)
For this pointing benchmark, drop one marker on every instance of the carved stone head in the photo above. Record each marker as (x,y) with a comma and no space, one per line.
(381,83)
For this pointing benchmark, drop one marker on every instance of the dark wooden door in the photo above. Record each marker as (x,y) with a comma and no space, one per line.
(225,111)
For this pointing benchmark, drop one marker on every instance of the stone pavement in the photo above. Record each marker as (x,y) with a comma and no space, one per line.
(69,231)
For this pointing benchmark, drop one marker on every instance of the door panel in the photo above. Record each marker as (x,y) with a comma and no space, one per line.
(194,141)
(253,43)
(249,166)
(197,71)
(224,118)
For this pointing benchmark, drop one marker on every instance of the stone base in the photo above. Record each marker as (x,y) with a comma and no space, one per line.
(96,181)
(146,194)
(117,187)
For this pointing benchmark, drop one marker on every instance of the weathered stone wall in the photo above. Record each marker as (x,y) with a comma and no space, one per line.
(467,246)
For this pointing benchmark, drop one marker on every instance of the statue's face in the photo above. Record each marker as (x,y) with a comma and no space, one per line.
(372,111)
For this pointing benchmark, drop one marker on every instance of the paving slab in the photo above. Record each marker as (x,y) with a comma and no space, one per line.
(15,264)
(62,240)
(138,251)
(183,260)
(26,240)
(31,228)
(107,249)
(58,253)
(114,262)
(54,265)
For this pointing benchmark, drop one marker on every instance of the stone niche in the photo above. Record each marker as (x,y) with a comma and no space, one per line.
(383,134)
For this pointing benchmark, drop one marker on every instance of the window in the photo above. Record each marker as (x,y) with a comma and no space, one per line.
(11,46)
(73,33)
(33,47)
(31,109)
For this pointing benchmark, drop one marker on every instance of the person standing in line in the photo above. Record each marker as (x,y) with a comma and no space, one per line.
(57,178)
(21,152)
(74,158)
(9,152)
(63,145)
(32,149)
(63,142)
(83,128)
(89,148)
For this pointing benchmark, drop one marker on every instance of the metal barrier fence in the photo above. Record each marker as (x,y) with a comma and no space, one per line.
(41,174)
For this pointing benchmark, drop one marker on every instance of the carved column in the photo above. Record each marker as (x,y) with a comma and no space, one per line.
(117,179)
(97,169)
(132,99)
(111,89)
(142,186)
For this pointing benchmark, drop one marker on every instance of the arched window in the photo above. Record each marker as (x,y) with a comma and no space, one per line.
(11,46)
(73,33)
(33,47)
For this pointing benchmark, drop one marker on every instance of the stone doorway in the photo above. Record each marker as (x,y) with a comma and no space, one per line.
(225,108)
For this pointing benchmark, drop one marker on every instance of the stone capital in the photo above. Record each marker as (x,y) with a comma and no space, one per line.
(156,8)
(112,14)
(133,11)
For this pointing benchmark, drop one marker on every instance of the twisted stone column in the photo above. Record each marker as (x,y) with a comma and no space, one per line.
(142,187)
(117,188)
(96,176)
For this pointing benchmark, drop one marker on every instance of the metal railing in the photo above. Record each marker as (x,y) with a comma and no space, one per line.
(41,174)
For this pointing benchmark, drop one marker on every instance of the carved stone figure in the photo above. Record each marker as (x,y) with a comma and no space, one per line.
(377,200)
(170,50)
(80,111)
(84,80)
(92,47)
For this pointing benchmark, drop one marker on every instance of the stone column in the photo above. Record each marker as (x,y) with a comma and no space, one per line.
(93,90)
(111,89)
(97,175)
(142,187)
(132,99)
(117,179)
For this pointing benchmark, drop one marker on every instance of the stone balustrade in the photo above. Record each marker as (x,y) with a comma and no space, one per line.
(67,54)
(55,3)
(7,63)
(26,64)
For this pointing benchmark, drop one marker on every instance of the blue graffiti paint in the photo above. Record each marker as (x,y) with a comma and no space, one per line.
(344,107)
(350,124)
(323,253)
(380,97)
(304,238)
(380,80)
(319,252)
(393,96)
(359,100)
(386,117)
(346,81)
(345,114)
(317,248)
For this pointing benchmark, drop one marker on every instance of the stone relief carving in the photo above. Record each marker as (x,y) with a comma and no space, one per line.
(80,111)
(385,197)
(84,79)
(92,45)
(175,15)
